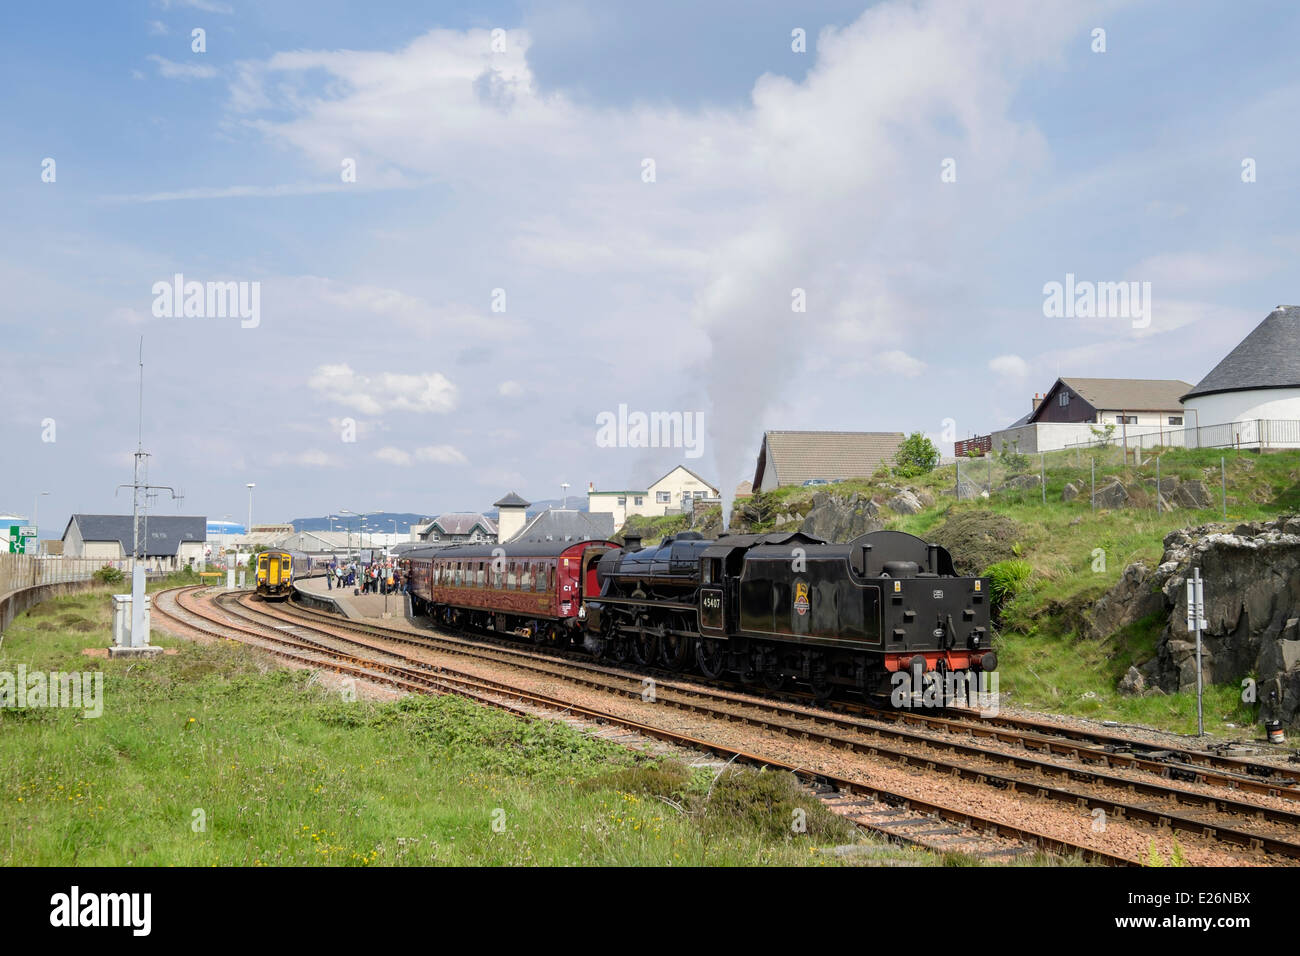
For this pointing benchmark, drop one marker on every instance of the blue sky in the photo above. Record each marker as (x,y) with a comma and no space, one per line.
(520,169)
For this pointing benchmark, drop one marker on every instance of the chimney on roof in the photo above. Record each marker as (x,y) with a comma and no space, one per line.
(591,486)
(1038,400)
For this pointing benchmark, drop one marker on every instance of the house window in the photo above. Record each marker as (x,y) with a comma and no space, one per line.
(1126,419)
(663,497)
(638,500)
(1064,399)
(622,502)
(1175,419)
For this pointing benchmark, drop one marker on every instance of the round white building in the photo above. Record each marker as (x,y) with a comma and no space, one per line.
(1256,386)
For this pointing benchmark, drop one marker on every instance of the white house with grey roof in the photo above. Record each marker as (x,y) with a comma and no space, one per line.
(1256,386)
(170,541)
(459,527)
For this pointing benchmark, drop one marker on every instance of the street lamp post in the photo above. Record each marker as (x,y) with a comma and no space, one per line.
(250,486)
(36,524)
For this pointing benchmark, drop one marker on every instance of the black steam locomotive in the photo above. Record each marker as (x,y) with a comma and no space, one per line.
(774,608)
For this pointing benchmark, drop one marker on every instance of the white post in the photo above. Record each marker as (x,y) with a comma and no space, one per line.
(1195,622)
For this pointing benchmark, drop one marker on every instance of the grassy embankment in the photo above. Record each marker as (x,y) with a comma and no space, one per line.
(278,770)
(1047,660)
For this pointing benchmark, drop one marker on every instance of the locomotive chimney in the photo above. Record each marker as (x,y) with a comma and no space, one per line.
(932,557)
(632,541)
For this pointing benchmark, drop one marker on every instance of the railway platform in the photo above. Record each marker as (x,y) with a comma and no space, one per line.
(358,607)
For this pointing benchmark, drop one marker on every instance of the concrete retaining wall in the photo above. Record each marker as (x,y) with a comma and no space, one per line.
(18,601)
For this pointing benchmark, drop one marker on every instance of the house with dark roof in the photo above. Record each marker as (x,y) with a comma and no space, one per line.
(1255,387)
(459,527)
(793,457)
(1075,410)
(170,541)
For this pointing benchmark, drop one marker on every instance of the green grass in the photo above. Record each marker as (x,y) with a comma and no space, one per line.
(1077,554)
(655,529)
(282,771)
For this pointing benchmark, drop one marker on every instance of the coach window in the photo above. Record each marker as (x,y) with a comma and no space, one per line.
(512,576)
(481,576)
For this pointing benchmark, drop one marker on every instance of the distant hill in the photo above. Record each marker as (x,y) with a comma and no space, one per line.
(384,521)
(377,522)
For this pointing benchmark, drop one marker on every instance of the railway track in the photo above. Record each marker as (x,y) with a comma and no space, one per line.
(898,817)
(1084,749)
(1216,818)
(1166,806)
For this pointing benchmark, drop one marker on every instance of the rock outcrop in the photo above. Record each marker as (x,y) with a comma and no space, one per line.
(1252,609)
(905,503)
(841,518)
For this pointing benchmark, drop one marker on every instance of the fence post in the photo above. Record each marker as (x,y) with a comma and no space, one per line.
(1157,484)
(956,491)
(1223,481)
(1094,484)
(1042,473)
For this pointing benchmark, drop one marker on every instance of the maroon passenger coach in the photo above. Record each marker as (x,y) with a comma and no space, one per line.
(532,590)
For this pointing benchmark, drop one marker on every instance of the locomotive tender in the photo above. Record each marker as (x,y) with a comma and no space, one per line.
(776,607)
(882,610)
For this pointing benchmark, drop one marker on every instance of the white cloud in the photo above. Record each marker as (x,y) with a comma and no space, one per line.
(437,454)
(310,458)
(900,363)
(814,183)
(157,28)
(510,389)
(388,391)
(207,6)
(441,454)
(171,70)
(1009,366)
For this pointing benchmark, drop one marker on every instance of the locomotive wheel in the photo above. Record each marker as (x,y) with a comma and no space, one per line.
(820,678)
(675,651)
(764,667)
(711,657)
(645,648)
(616,649)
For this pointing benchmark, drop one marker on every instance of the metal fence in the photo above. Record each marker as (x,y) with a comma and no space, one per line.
(1106,477)
(1262,434)
(19,571)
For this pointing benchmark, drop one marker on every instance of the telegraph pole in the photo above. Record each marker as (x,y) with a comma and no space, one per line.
(139,513)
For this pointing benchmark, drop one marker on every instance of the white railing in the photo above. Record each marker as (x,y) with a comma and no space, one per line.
(1261,433)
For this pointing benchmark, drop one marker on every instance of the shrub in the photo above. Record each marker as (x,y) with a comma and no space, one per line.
(108,575)
(1006,580)
(916,456)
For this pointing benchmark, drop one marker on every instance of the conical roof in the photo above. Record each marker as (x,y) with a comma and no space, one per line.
(1267,358)
(511,500)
